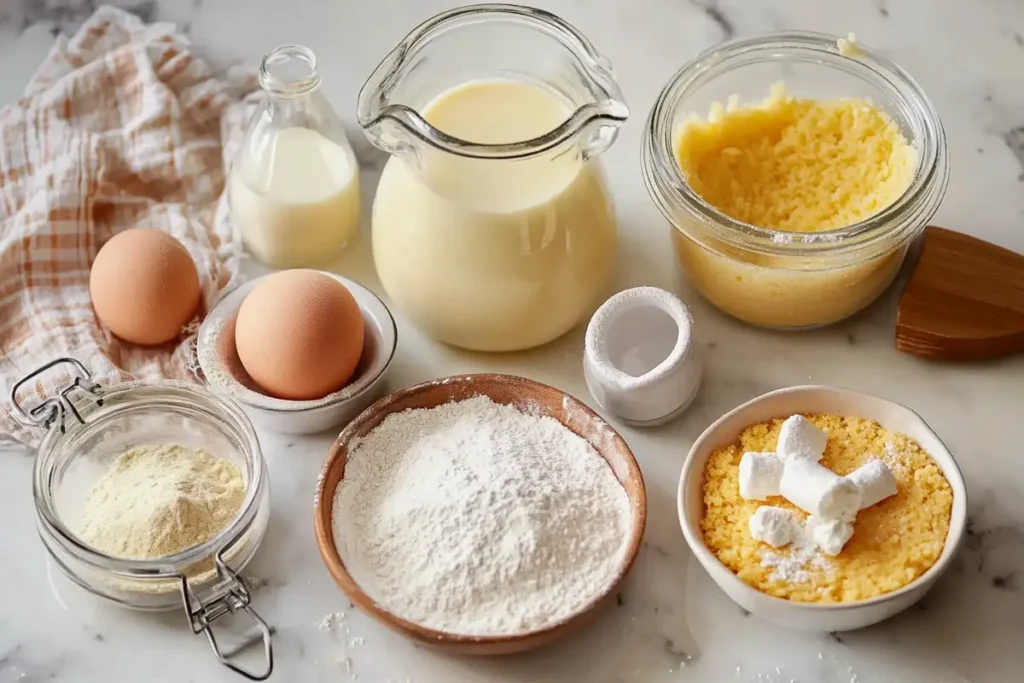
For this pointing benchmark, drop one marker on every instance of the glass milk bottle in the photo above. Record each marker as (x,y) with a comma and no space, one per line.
(294,187)
(493,228)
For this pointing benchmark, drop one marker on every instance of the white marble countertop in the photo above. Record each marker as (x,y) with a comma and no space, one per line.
(969,57)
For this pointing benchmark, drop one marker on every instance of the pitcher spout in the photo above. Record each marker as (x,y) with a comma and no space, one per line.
(485,43)
(384,122)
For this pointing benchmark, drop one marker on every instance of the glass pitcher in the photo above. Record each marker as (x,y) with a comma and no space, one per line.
(492,227)
(294,186)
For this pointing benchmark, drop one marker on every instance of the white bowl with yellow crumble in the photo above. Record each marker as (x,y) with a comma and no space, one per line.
(900,546)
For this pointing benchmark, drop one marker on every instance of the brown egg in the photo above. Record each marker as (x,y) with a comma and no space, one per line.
(144,286)
(299,335)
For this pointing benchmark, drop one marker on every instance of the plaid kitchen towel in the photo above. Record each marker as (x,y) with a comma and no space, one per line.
(122,126)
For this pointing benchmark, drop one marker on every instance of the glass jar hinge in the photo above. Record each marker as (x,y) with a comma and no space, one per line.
(54,410)
(228,596)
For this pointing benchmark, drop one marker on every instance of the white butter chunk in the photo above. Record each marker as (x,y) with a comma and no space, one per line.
(819,491)
(760,475)
(830,535)
(774,526)
(799,438)
(875,480)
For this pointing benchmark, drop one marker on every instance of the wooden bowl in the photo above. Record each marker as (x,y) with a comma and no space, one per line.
(526,395)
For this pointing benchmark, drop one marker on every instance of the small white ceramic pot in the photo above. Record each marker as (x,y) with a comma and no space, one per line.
(639,358)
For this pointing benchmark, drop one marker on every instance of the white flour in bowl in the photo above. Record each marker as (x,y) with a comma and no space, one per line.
(474,518)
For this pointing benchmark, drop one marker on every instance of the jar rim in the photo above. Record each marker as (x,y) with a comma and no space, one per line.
(905,217)
(133,394)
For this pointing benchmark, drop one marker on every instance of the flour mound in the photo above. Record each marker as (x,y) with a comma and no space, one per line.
(158,500)
(477,519)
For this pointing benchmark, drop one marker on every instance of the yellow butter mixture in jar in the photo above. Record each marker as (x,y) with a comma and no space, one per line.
(795,173)
(796,165)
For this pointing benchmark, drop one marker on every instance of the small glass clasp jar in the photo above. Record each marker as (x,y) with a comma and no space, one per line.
(493,227)
(780,279)
(87,427)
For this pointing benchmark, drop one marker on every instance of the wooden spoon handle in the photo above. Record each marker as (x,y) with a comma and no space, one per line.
(964,301)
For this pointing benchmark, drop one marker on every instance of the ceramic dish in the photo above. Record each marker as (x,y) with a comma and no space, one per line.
(223,370)
(639,359)
(526,395)
(816,399)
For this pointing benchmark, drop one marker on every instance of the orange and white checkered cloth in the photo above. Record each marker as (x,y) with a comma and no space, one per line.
(121,127)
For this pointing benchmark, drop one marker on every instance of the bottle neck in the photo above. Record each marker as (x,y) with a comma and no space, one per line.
(289,71)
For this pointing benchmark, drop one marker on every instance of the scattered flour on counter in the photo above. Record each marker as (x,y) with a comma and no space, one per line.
(253,582)
(332,622)
(477,519)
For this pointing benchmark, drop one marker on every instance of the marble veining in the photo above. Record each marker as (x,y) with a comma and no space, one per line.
(713,12)
(1014,139)
(670,622)
(67,15)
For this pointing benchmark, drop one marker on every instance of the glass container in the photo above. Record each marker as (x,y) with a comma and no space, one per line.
(294,185)
(785,279)
(495,240)
(89,426)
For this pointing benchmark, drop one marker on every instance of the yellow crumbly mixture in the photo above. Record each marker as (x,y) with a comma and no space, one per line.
(848,46)
(893,542)
(796,165)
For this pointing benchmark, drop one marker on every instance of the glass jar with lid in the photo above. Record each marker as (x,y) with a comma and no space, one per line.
(87,427)
(493,228)
(294,185)
(780,279)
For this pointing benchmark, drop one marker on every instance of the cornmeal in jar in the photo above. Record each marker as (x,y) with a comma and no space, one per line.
(893,543)
(767,291)
(796,165)
(848,46)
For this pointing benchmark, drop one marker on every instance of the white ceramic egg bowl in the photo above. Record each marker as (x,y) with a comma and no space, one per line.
(217,339)
(835,401)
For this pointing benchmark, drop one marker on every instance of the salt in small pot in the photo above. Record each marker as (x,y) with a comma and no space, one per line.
(639,361)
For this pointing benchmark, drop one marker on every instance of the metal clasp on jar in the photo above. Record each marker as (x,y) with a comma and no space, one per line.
(53,410)
(228,596)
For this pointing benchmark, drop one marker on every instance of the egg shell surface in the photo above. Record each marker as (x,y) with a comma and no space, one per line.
(144,286)
(299,335)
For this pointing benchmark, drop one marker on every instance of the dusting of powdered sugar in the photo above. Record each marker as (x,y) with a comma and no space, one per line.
(476,518)
(800,559)
(898,460)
